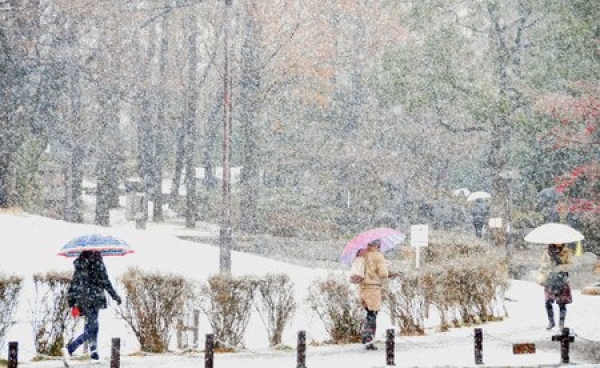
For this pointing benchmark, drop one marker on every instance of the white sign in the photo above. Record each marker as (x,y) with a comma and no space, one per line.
(495,223)
(419,235)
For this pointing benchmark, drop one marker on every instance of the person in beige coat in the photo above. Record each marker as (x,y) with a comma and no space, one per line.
(376,272)
(555,263)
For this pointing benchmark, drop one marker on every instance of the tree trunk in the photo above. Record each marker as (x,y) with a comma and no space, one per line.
(147,124)
(76,157)
(249,111)
(102,199)
(508,65)
(160,128)
(210,139)
(179,162)
(190,126)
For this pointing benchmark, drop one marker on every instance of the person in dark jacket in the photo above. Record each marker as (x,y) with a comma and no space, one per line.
(479,213)
(86,295)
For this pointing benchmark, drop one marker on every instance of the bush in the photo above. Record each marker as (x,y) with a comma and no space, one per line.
(276,304)
(51,318)
(338,307)
(227,302)
(153,303)
(10,287)
(465,283)
(406,304)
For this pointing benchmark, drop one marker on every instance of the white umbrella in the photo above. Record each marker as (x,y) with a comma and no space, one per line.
(553,233)
(478,195)
(461,191)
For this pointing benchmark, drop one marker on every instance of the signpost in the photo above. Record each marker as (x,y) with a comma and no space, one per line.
(495,225)
(419,237)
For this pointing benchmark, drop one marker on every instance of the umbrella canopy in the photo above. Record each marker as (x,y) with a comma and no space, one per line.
(553,233)
(478,195)
(105,244)
(461,191)
(389,239)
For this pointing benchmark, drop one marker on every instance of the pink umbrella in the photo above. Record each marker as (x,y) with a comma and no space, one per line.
(389,239)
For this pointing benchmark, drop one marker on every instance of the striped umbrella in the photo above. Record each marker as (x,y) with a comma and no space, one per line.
(107,245)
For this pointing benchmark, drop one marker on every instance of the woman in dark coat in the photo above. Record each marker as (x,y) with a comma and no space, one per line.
(87,294)
(556,263)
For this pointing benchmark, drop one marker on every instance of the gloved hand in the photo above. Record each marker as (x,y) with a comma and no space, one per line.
(75,312)
(118,299)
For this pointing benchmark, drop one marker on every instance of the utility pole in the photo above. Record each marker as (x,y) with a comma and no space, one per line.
(225,240)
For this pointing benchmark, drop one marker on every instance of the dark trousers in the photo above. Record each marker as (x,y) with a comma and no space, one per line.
(562,310)
(90,333)
(369,326)
(478,229)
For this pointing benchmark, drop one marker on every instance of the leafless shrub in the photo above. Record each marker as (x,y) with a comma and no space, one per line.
(466,284)
(407,304)
(275,304)
(51,318)
(188,328)
(10,287)
(227,302)
(153,303)
(337,305)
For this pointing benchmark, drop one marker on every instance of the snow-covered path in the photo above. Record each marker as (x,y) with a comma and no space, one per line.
(31,246)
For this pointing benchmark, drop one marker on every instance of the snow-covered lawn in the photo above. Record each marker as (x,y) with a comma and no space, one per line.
(30,243)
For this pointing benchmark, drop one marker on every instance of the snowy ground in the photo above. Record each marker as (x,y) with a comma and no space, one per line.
(30,244)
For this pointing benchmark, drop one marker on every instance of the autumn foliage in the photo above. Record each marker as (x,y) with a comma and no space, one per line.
(577,129)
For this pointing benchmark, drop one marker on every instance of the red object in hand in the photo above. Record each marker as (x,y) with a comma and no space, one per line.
(75,312)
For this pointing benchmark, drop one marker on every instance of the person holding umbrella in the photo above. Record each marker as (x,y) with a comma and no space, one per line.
(376,272)
(86,296)
(555,263)
(368,247)
(479,213)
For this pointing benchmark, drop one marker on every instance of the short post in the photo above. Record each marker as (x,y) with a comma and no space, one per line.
(115,353)
(196,330)
(301,350)
(209,353)
(141,211)
(389,347)
(13,354)
(564,339)
(478,345)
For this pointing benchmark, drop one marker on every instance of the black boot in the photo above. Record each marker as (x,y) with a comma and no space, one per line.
(550,312)
(562,315)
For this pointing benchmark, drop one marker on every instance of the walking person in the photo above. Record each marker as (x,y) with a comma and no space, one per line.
(479,213)
(86,296)
(376,272)
(556,262)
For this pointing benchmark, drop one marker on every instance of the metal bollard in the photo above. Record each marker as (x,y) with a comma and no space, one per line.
(564,339)
(301,350)
(115,353)
(478,345)
(13,354)
(209,353)
(389,347)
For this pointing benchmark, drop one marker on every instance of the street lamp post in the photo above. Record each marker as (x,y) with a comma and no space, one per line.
(225,235)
